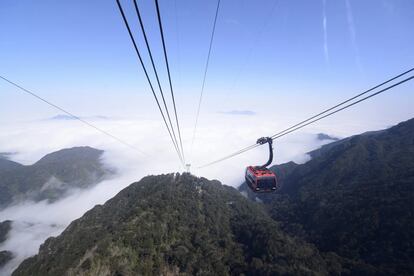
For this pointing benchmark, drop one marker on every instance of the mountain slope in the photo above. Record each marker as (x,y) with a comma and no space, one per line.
(5,256)
(8,165)
(51,176)
(171,224)
(5,227)
(355,198)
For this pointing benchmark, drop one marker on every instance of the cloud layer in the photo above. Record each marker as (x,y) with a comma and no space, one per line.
(34,222)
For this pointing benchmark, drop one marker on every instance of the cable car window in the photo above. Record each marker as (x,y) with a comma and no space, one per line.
(267,183)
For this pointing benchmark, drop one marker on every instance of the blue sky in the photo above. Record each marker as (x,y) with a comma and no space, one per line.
(273,63)
(271,57)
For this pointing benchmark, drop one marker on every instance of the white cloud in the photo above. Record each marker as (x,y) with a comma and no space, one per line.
(221,135)
(33,222)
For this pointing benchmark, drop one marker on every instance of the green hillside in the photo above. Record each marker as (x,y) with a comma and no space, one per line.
(354,198)
(172,224)
(52,176)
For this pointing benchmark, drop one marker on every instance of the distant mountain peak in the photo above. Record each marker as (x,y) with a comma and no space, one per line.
(64,117)
(73,154)
(52,176)
(6,155)
(323,136)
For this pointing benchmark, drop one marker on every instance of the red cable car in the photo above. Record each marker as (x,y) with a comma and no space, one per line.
(260,178)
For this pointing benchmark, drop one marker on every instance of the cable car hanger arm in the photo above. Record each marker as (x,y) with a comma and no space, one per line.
(262,141)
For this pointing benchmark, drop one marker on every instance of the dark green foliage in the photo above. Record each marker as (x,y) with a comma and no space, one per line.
(355,198)
(52,176)
(5,227)
(172,224)
(5,256)
(352,203)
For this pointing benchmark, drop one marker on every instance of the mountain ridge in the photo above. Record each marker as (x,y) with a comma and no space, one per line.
(173,224)
(354,198)
(52,176)
(347,211)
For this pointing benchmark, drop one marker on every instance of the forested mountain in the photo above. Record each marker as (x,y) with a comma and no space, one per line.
(5,227)
(172,224)
(8,165)
(5,255)
(354,198)
(347,211)
(52,176)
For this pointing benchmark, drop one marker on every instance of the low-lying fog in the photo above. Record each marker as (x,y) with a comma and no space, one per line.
(33,222)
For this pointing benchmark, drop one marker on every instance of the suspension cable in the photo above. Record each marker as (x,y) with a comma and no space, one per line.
(141,23)
(346,101)
(315,119)
(229,156)
(274,137)
(205,74)
(169,76)
(27,91)
(148,79)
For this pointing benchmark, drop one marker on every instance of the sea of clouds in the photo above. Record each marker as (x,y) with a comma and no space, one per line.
(34,222)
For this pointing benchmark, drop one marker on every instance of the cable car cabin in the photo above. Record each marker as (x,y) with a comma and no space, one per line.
(261,179)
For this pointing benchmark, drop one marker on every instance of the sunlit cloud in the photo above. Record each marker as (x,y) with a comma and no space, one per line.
(33,222)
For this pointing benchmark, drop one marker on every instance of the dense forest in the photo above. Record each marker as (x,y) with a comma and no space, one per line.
(5,255)
(354,198)
(175,224)
(347,211)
